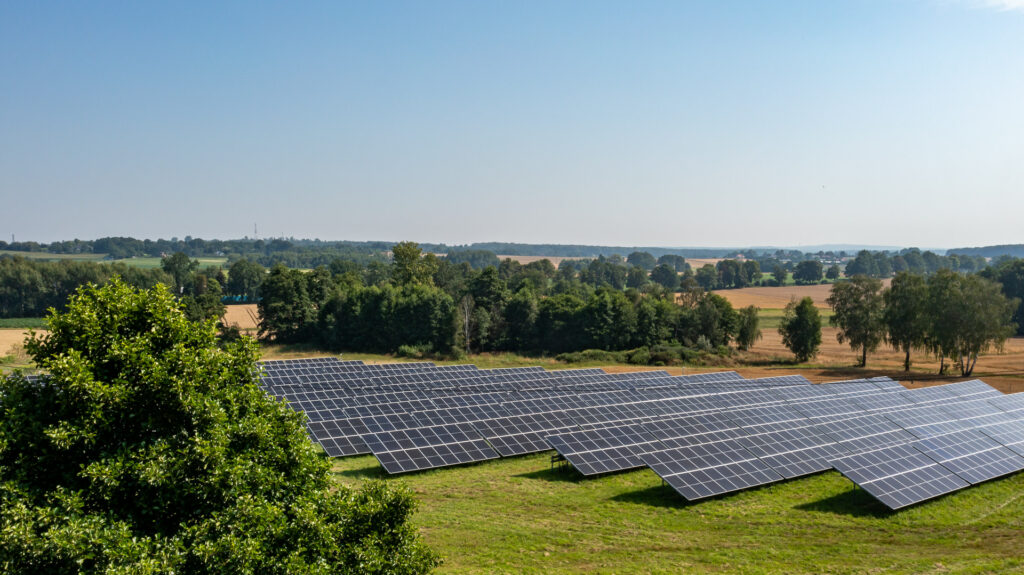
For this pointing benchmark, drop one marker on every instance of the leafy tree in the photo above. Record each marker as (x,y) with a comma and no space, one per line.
(637,278)
(609,320)
(1010,275)
(906,315)
(665,276)
(643,260)
(857,307)
(147,448)
(179,266)
(801,329)
(969,315)
(521,319)
(808,272)
(410,266)
(833,273)
(716,318)
(748,330)
(752,271)
(780,273)
(286,310)
(677,263)
(245,278)
(707,277)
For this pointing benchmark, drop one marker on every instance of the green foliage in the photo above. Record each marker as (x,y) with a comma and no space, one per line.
(748,331)
(968,315)
(286,309)
(665,276)
(857,310)
(179,266)
(636,278)
(808,272)
(642,260)
(906,315)
(411,266)
(833,273)
(801,329)
(244,279)
(148,448)
(1010,275)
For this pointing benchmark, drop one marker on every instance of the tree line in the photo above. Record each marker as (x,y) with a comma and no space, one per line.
(950,315)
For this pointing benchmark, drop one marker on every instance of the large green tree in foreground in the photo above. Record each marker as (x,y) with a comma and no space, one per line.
(149,449)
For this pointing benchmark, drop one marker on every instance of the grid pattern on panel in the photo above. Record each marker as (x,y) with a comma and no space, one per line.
(899,476)
(407,450)
(971,455)
(792,451)
(520,434)
(606,449)
(1009,434)
(710,469)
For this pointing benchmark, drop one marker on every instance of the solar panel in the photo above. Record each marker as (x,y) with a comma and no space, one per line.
(1010,435)
(604,450)
(421,448)
(866,433)
(520,434)
(793,451)
(1009,403)
(971,455)
(710,469)
(898,476)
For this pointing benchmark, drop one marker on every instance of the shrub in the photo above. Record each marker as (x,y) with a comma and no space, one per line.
(149,449)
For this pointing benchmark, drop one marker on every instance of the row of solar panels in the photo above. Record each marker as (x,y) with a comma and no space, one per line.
(703,437)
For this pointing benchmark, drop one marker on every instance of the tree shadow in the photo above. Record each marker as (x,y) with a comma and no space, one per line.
(656,496)
(854,502)
(374,471)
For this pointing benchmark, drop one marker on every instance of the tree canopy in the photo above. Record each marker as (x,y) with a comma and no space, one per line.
(801,329)
(857,308)
(148,448)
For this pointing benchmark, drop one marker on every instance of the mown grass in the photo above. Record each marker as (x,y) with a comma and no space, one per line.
(151,263)
(771,318)
(22,323)
(519,516)
(45,256)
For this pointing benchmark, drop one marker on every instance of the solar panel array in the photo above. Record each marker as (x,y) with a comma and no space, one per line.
(704,434)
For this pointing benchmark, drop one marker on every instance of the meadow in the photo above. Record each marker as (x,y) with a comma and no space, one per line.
(520,515)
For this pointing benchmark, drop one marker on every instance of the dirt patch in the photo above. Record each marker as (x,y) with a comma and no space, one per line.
(778,297)
(245,316)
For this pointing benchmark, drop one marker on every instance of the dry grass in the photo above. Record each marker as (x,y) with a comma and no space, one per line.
(778,297)
(245,317)
(697,263)
(555,260)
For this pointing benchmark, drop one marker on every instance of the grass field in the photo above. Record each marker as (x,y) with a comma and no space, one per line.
(150,263)
(54,257)
(22,323)
(519,516)
(146,263)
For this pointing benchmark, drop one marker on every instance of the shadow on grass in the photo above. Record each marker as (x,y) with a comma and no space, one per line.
(854,503)
(557,474)
(374,471)
(657,496)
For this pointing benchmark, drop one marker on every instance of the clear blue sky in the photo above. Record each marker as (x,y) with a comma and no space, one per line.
(896,122)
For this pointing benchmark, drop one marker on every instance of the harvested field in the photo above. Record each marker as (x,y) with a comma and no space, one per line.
(778,297)
(11,338)
(555,260)
(244,316)
(697,263)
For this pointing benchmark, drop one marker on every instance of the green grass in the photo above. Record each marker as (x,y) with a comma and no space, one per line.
(771,318)
(22,323)
(518,516)
(53,257)
(151,263)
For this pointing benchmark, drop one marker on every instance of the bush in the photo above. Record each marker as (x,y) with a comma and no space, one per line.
(639,356)
(149,449)
(592,355)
